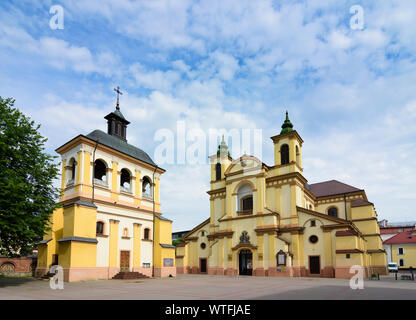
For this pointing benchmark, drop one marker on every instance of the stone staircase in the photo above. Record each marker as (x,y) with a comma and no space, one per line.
(130,275)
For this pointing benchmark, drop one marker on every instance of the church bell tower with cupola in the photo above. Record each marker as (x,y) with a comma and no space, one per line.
(288,149)
(116,123)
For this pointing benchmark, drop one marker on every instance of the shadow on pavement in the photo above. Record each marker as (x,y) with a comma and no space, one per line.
(343,293)
(15,281)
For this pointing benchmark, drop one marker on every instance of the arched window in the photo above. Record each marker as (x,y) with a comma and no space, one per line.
(297,156)
(218,171)
(7,267)
(284,154)
(125,233)
(245,199)
(146,235)
(333,212)
(125,180)
(147,187)
(100,172)
(281,258)
(100,228)
(73,166)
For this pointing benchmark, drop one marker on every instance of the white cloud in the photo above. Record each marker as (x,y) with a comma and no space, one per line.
(59,53)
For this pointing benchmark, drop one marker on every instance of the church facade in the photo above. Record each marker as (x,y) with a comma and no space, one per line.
(268,221)
(110,220)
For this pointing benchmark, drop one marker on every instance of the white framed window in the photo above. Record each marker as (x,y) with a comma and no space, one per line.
(401,251)
(401,263)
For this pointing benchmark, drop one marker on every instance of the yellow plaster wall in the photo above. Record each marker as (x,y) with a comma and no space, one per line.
(87,167)
(83,254)
(347,242)
(409,255)
(363,212)
(136,244)
(80,221)
(113,255)
(63,174)
(163,235)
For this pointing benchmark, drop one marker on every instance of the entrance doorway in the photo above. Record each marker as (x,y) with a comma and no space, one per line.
(124,261)
(245,259)
(203,265)
(314,265)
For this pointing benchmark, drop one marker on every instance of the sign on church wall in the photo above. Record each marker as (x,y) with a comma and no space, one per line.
(167,262)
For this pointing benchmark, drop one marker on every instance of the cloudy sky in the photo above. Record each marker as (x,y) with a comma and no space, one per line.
(240,64)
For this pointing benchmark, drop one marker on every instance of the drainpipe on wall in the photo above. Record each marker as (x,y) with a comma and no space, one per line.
(345,206)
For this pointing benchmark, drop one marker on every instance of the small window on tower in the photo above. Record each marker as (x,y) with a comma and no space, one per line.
(313,223)
(125,180)
(100,172)
(100,228)
(284,154)
(218,171)
(147,187)
(146,235)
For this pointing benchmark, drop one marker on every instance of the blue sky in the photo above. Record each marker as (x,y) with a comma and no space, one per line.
(228,64)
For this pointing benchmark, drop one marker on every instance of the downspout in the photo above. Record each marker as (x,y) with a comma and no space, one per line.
(154,216)
(345,206)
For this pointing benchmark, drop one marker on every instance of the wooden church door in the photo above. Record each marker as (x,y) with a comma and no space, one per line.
(124,261)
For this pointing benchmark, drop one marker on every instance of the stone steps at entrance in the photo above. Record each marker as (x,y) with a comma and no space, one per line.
(130,275)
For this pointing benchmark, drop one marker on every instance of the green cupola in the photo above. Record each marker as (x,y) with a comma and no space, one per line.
(287,126)
(223,148)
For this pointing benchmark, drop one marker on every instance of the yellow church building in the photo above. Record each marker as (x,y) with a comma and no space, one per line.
(268,221)
(110,220)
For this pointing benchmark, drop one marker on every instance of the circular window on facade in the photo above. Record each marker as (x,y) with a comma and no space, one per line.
(313,239)
(203,245)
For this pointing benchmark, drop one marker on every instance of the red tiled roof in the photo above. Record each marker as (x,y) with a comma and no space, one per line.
(182,244)
(360,203)
(331,188)
(343,233)
(402,237)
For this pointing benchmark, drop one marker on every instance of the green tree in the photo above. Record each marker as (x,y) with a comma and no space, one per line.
(178,241)
(27,194)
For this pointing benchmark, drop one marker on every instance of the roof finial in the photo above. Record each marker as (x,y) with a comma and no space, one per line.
(118,94)
(287,126)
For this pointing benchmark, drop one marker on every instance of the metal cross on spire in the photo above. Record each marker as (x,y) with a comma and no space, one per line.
(118,95)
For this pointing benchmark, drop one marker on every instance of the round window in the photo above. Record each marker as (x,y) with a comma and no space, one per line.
(313,239)
(203,245)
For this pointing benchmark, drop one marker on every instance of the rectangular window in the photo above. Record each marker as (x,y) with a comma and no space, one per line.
(401,263)
(401,251)
(313,223)
(348,256)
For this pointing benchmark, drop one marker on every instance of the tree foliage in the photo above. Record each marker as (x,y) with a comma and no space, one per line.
(27,194)
(178,241)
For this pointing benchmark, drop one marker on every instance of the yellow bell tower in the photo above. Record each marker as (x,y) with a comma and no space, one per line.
(288,149)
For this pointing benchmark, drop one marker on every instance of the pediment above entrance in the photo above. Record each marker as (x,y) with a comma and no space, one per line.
(245,165)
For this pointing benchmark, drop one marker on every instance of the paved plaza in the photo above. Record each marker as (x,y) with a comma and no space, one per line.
(196,287)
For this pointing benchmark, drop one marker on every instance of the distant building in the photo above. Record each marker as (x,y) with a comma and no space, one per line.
(401,249)
(179,234)
(399,239)
(388,230)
